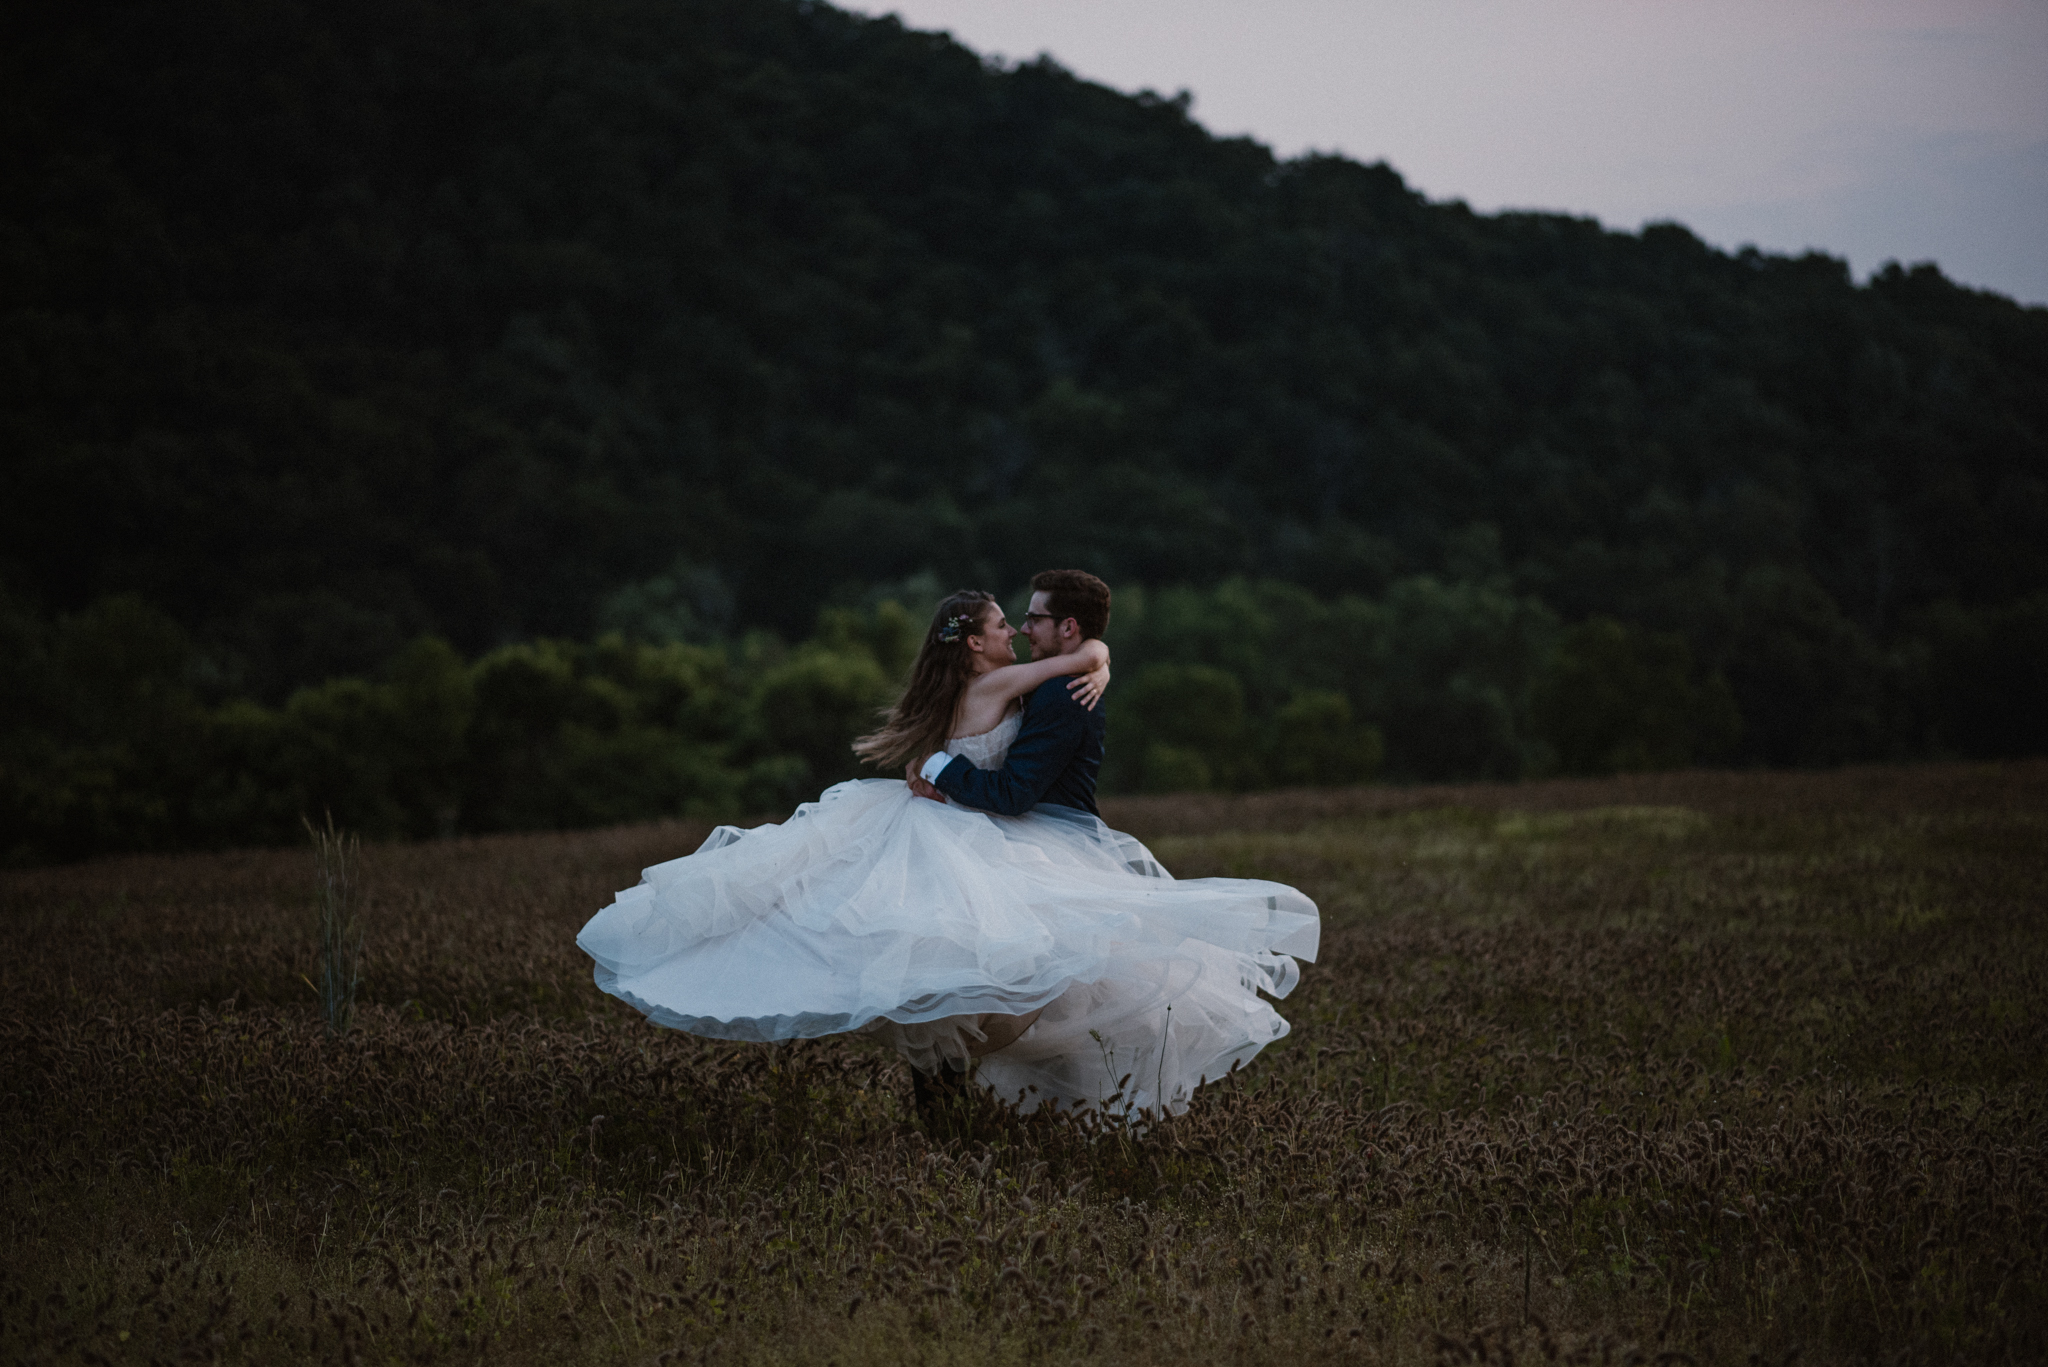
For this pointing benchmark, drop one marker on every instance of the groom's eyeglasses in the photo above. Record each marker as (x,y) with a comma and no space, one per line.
(1046,615)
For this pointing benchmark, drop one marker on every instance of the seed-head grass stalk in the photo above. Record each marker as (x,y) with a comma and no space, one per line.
(1504,1124)
(337,860)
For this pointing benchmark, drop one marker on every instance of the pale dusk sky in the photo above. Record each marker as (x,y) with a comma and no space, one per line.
(1886,129)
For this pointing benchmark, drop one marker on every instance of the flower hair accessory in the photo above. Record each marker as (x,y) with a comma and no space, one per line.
(956,626)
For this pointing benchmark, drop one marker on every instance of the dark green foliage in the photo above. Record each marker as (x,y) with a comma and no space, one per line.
(323,331)
(1613,699)
(1434,678)
(326,328)
(101,729)
(570,735)
(1453,677)
(1185,726)
(110,744)
(113,743)
(1808,681)
(814,703)
(1316,742)
(1989,678)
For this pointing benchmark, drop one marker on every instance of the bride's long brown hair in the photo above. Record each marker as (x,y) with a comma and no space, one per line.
(918,723)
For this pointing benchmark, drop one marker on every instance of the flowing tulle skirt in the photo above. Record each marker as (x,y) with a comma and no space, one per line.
(873,909)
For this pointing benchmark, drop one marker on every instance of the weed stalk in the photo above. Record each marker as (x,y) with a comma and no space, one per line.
(337,859)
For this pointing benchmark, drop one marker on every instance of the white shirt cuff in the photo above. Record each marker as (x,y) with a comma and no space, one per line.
(935,766)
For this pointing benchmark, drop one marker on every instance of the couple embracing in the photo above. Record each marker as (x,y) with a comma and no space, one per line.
(978,917)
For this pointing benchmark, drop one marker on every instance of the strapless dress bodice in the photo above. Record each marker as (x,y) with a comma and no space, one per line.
(989,749)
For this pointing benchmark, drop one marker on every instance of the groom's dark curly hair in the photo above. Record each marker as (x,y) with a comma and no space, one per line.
(1076,594)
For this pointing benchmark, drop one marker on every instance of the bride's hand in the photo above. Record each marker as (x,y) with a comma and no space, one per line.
(1088,688)
(915,778)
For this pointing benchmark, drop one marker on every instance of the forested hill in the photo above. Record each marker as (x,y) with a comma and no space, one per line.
(326,327)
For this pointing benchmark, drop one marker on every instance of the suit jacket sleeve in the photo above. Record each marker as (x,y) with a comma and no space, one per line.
(1054,727)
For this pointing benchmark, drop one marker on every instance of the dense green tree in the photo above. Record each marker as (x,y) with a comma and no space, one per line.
(1316,742)
(1808,681)
(1611,699)
(570,735)
(112,745)
(1441,672)
(1181,727)
(105,730)
(679,326)
(1987,688)
(321,329)
(1452,688)
(814,703)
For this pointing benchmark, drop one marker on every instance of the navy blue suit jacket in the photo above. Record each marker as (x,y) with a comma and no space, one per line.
(1055,758)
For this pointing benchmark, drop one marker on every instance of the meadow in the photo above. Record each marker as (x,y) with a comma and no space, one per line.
(1701,1067)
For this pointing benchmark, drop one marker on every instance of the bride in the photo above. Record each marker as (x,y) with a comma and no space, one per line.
(1048,954)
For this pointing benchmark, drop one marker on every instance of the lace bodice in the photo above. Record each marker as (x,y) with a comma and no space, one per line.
(989,749)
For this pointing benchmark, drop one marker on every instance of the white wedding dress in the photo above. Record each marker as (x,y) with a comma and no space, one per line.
(874,909)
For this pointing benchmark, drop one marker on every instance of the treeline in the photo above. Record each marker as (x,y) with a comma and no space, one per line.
(114,740)
(1465,679)
(117,736)
(665,325)
(323,328)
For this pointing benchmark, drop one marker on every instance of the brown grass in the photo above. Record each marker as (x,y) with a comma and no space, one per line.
(1673,1068)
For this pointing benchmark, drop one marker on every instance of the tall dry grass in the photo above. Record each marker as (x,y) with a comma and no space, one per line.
(337,863)
(1685,1069)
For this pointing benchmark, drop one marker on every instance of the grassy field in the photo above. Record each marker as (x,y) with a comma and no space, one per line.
(1687,1068)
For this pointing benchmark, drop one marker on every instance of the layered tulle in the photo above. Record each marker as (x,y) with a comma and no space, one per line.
(876,909)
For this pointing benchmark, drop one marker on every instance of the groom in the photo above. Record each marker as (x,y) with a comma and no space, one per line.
(1058,751)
